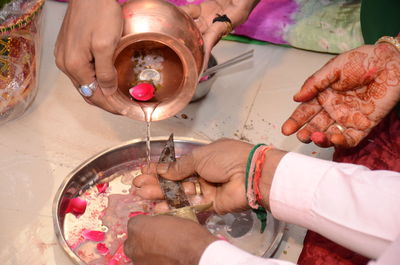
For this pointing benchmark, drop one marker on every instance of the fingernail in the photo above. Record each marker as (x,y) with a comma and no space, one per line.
(162,168)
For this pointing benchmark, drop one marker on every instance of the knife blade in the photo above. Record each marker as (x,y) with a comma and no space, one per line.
(173,190)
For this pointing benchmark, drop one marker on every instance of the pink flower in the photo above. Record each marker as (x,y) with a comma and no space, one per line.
(102,249)
(93,235)
(204,78)
(221,237)
(142,91)
(102,187)
(76,206)
(133,214)
(119,257)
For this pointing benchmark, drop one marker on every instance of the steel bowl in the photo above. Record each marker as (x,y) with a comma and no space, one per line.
(204,86)
(134,152)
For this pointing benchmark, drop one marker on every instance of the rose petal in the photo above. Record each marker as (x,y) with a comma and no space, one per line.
(102,249)
(221,237)
(93,235)
(76,206)
(204,78)
(142,91)
(133,214)
(102,187)
(119,257)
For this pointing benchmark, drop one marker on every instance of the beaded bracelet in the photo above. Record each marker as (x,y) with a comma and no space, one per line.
(255,163)
(387,39)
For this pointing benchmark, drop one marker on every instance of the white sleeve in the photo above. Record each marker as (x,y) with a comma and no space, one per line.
(349,204)
(352,205)
(222,253)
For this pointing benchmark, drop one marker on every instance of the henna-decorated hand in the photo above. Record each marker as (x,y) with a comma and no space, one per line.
(347,97)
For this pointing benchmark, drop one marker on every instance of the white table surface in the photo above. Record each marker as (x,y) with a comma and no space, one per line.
(37,151)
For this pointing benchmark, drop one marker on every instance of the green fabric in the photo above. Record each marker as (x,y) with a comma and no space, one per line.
(4,2)
(379,18)
(244,39)
(333,28)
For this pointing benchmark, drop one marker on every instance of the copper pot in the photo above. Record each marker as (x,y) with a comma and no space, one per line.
(160,27)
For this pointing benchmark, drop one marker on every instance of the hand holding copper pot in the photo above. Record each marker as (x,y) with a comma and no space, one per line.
(160,44)
(151,29)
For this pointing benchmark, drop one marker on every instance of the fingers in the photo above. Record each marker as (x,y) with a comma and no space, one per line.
(150,189)
(181,169)
(350,137)
(106,74)
(338,136)
(193,11)
(319,81)
(214,33)
(303,114)
(320,123)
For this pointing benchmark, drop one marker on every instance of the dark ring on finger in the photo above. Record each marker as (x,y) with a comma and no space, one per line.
(225,19)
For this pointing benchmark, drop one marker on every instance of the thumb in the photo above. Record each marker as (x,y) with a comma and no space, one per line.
(194,11)
(106,74)
(318,82)
(181,169)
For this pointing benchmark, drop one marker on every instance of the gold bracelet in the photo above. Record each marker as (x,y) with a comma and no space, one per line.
(394,41)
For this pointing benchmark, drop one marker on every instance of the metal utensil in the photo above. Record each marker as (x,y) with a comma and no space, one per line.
(230,62)
(173,190)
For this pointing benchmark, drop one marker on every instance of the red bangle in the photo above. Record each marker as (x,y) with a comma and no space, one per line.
(253,192)
(258,172)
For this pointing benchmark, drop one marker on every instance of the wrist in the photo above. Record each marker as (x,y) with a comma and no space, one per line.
(268,173)
(393,42)
(198,247)
(261,165)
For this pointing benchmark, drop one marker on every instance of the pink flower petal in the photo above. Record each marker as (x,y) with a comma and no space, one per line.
(133,214)
(93,235)
(102,187)
(142,91)
(76,206)
(221,237)
(119,257)
(102,249)
(204,78)
(77,243)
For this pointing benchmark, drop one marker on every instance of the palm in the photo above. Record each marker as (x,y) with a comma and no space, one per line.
(344,100)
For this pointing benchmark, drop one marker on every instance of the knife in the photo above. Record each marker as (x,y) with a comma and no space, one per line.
(173,191)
